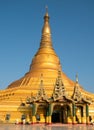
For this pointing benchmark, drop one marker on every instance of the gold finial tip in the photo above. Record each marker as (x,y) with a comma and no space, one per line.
(46,9)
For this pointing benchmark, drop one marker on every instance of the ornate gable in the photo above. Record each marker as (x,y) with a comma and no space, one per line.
(77,95)
(59,92)
(41,95)
(59,88)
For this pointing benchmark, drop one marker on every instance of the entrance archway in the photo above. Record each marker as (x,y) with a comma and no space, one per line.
(56,116)
(60,113)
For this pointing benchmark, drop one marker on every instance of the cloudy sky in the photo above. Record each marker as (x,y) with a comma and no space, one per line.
(72,27)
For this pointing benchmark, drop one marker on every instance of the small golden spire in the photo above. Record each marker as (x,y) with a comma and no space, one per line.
(76,78)
(46,15)
(46,32)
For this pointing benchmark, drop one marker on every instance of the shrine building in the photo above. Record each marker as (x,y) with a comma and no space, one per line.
(45,94)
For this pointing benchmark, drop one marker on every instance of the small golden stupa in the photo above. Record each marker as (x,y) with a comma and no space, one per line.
(45,94)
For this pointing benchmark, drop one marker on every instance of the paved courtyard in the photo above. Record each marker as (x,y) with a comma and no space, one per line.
(43,127)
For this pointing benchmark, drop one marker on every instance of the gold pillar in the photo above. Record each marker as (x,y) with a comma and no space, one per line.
(87,114)
(47,119)
(33,119)
(69,121)
(50,119)
(73,114)
(34,108)
(50,114)
(42,118)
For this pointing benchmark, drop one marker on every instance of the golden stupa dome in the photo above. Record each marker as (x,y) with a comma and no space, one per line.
(45,62)
(45,58)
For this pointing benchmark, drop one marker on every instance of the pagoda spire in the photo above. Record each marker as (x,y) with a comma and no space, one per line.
(46,40)
(46,57)
(76,78)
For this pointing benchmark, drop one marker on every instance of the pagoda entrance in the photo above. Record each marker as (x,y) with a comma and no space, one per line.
(60,113)
(56,116)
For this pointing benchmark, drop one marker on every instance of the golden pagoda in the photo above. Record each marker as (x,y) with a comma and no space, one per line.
(45,94)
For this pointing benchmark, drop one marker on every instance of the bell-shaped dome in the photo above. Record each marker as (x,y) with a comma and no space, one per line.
(45,57)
